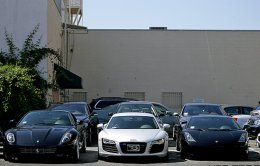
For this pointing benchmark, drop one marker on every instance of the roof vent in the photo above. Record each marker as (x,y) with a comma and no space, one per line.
(158,28)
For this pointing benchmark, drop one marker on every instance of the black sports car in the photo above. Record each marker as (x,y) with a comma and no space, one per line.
(44,133)
(211,134)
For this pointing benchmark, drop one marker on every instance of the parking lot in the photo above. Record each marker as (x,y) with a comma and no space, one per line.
(90,158)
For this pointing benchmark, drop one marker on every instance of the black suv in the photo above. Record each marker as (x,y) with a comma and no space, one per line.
(82,112)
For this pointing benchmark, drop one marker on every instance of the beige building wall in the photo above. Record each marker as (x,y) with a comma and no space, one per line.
(215,66)
(54,32)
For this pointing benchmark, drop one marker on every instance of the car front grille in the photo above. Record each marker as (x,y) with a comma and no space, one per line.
(110,148)
(38,150)
(123,146)
(156,148)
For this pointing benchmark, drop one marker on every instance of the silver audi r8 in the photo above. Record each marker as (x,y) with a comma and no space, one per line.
(133,134)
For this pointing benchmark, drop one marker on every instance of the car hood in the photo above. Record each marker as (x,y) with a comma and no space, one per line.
(39,135)
(215,137)
(132,135)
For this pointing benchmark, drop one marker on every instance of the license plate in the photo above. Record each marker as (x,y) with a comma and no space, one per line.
(133,148)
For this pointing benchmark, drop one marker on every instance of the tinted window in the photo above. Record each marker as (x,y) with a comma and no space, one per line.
(212,123)
(232,110)
(132,122)
(191,110)
(247,110)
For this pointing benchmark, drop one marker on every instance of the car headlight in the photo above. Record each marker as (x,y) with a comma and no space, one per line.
(257,122)
(188,137)
(158,142)
(243,137)
(66,138)
(107,141)
(10,137)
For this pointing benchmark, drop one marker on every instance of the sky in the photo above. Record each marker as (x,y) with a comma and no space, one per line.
(173,14)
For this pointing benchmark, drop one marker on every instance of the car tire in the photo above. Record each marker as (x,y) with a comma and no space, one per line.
(89,136)
(258,144)
(100,157)
(75,155)
(9,158)
(6,157)
(183,151)
(177,144)
(165,158)
(84,143)
(244,156)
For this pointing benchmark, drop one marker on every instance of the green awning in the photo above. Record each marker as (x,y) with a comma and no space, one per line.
(66,79)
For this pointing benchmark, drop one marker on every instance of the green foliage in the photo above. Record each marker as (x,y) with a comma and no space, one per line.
(17,90)
(21,86)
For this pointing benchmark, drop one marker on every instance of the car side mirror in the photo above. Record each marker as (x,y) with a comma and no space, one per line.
(166,126)
(169,113)
(246,126)
(100,126)
(80,122)
(110,114)
(176,114)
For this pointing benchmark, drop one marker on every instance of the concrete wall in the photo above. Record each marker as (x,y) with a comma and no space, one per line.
(217,66)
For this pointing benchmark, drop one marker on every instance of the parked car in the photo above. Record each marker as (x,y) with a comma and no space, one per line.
(133,134)
(104,114)
(139,106)
(212,134)
(253,126)
(102,102)
(45,133)
(240,113)
(130,106)
(167,116)
(193,109)
(82,112)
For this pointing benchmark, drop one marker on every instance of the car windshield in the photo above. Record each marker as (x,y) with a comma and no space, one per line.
(132,122)
(212,123)
(191,110)
(46,118)
(147,108)
(75,109)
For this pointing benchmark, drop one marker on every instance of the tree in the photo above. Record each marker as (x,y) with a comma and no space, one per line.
(21,83)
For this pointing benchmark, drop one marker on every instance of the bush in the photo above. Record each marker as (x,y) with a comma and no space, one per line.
(17,92)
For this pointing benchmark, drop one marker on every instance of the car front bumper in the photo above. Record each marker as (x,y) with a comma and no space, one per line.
(16,151)
(119,149)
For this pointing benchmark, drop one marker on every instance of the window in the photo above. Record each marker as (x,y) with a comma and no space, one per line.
(172,99)
(135,95)
(79,96)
